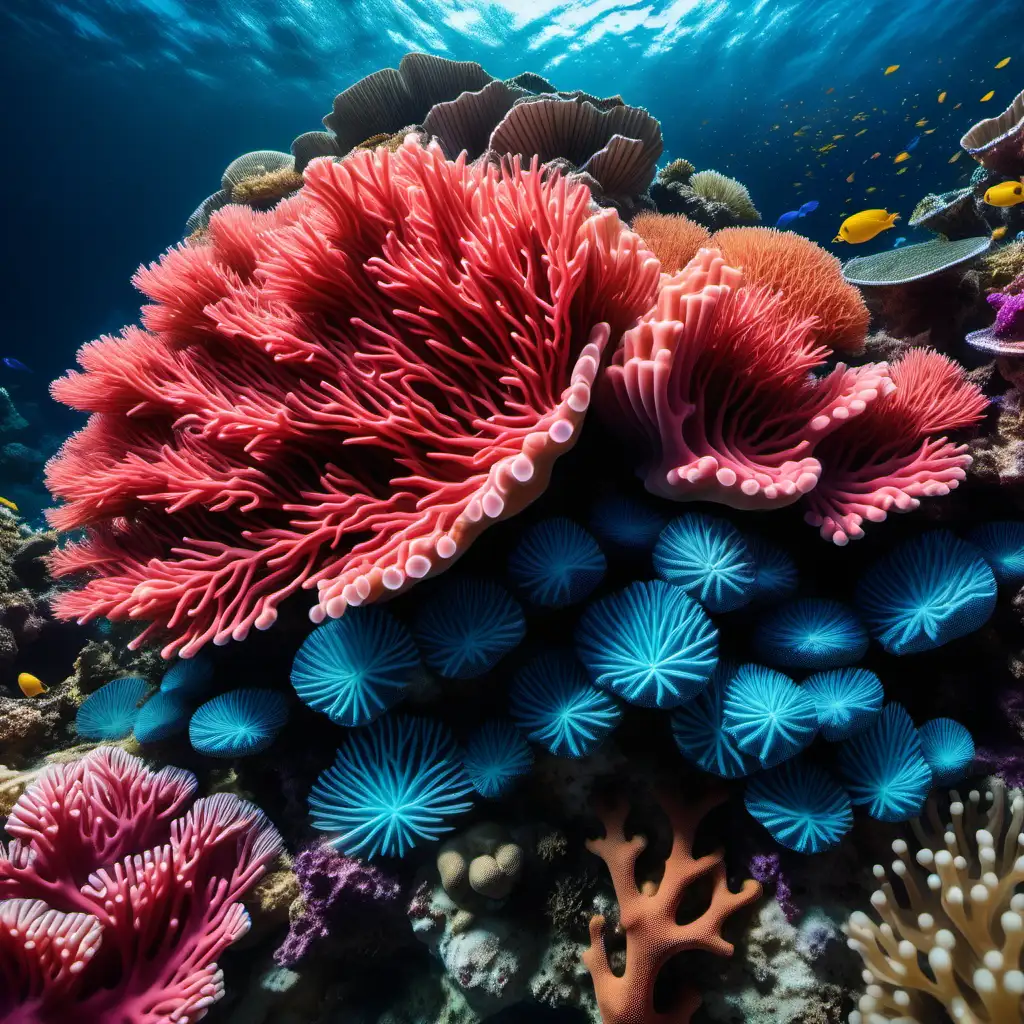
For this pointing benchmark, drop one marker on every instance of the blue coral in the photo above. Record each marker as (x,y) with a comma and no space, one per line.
(355,668)
(394,783)
(884,767)
(626,524)
(709,559)
(811,634)
(495,755)
(649,644)
(775,575)
(556,563)
(1002,544)
(802,806)
(467,627)
(162,716)
(110,712)
(700,734)
(847,700)
(238,723)
(190,677)
(767,715)
(556,705)
(926,593)
(948,748)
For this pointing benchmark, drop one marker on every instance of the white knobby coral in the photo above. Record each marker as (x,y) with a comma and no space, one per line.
(956,932)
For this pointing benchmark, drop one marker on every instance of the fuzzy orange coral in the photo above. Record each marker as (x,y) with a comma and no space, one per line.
(647,915)
(810,279)
(673,238)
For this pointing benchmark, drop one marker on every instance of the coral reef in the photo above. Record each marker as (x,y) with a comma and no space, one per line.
(481,864)
(707,197)
(997,143)
(24,586)
(672,237)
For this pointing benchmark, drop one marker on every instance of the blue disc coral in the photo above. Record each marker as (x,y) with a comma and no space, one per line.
(394,783)
(238,723)
(556,563)
(495,755)
(162,716)
(767,715)
(355,668)
(847,700)
(626,524)
(709,559)
(927,592)
(775,575)
(884,767)
(556,705)
(811,634)
(948,748)
(1002,544)
(700,734)
(467,627)
(802,806)
(190,677)
(110,712)
(650,644)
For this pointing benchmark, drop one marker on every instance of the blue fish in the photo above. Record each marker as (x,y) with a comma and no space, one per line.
(809,207)
(899,241)
(787,218)
(14,364)
(912,143)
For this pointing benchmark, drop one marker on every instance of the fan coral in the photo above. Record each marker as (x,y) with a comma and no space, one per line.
(673,238)
(714,384)
(709,559)
(468,628)
(927,592)
(649,644)
(393,784)
(801,806)
(948,748)
(555,704)
(913,263)
(189,677)
(110,712)
(719,188)
(495,756)
(104,855)
(898,453)
(355,669)
(162,716)
(557,563)
(238,723)
(954,906)
(437,325)
(810,279)
(997,143)
(847,700)
(648,914)
(811,633)
(1002,544)
(626,524)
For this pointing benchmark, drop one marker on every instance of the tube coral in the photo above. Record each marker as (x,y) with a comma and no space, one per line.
(339,394)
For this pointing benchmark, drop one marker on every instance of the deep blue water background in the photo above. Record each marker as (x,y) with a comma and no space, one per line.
(120,115)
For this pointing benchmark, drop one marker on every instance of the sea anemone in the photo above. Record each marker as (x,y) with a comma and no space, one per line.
(162,716)
(847,700)
(556,563)
(811,633)
(719,188)
(948,748)
(495,755)
(238,723)
(110,712)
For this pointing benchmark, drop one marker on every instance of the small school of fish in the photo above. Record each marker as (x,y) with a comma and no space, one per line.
(863,226)
(787,218)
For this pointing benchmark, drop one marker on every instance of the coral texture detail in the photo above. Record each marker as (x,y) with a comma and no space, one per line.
(647,914)
(340,394)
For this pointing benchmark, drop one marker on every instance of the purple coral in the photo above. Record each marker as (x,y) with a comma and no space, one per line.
(1006,336)
(336,892)
(766,868)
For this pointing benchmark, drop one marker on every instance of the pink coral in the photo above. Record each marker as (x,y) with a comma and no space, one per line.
(115,901)
(716,384)
(341,393)
(898,451)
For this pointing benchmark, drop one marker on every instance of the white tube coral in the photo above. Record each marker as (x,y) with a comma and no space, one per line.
(955,934)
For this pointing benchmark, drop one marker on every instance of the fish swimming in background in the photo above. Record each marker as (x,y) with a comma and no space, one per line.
(828,148)
(872,189)
(787,218)
(860,133)
(834,137)
(958,106)
(1003,63)
(999,234)
(14,364)
(902,170)
(30,685)
(850,178)
(987,96)
(899,241)
(942,97)
(7,503)
(900,157)
(863,226)
(831,89)
(1006,193)
(921,123)
(912,143)
(891,68)
(956,156)
(928,131)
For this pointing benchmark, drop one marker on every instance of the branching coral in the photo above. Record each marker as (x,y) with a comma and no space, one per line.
(952,930)
(341,393)
(673,238)
(115,901)
(647,914)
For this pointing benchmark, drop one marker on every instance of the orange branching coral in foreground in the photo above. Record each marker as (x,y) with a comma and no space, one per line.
(647,914)
(672,237)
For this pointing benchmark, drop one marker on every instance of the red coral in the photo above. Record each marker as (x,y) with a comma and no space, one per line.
(340,394)
(716,382)
(112,907)
(898,451)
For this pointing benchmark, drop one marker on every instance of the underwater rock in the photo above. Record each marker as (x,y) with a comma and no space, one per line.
(30,725)
(11,421)
(956,214)
(998,455)
(24,585)
(101,661)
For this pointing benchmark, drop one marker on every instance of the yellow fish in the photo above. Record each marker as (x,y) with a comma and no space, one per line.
(1006,193)
(921,123)
(1003,63)
(891,68)
(942,97)
(828,148)
(863,226)
(860,133)
(987,96)
(872,189)
(834,137)
(953,159)
(900,157)
(30,685)
(928,131)
(7,503)
(999,233)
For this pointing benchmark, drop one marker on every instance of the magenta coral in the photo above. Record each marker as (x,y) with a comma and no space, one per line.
(339,394)
(898,452)
(716,384)
(116,900)
(1006,336)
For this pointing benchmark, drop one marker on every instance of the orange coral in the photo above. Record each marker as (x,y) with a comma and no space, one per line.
(673,238)
(647,915)
(810,279)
